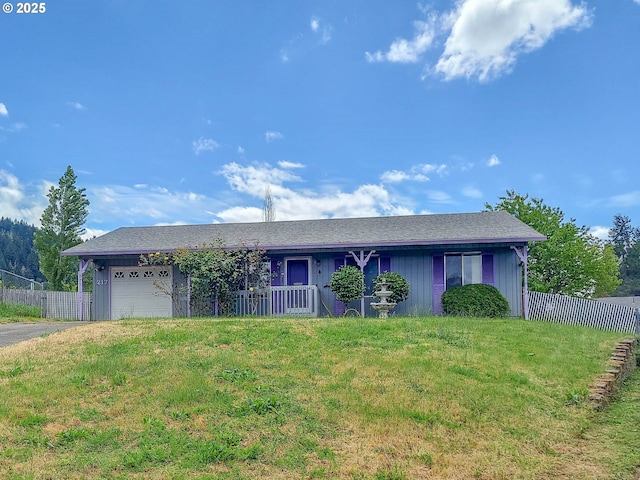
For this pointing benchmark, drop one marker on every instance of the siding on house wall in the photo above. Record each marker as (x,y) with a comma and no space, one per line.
(101,292)
(102,286)
(508,278)
(415,265)
(416,268)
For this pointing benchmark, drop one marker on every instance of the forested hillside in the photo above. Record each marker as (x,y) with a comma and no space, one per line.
(17,253)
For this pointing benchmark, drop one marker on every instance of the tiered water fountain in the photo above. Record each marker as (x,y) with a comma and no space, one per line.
(384,305)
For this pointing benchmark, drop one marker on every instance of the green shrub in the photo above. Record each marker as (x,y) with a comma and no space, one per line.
(347,283)
(476,300)
(396,283)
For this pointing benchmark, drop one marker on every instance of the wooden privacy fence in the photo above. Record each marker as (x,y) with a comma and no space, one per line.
(549,307)
(33,298)
(64,305)
(58,305)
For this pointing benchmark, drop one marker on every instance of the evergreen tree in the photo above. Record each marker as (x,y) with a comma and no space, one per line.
(17,253)
(62,225)
(623,235)
(625,240)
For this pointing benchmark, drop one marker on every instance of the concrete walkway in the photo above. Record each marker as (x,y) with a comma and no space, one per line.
(11,333)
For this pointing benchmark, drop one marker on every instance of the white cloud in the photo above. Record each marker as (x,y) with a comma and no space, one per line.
(272,136)
(408,51)
(487,36)
(600,232)
(287,164)
(144,204)
(630,199)
(15,127)
(321,29)
(433,168)
(493,161)
(3,110)
(241,150)
(301,43)
(254,178)
(16,203)
(76,105)
(484,38)
(204,145)
(394,176)
(290,204)
(438,196)
(90,233)
(417,173)
(471,192)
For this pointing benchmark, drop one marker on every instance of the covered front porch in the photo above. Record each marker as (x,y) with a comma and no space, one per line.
(279,301)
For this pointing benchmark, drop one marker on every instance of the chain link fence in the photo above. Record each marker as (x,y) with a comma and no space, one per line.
(21,290)
(16,289)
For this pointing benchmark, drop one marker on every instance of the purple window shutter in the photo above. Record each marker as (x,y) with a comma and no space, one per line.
(438,285)
(338,307)
(385,264)
(487,268)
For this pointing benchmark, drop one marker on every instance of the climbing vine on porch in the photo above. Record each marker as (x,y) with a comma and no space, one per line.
(215,273)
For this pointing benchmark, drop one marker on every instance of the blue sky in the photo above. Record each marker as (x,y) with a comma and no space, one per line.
(183,112)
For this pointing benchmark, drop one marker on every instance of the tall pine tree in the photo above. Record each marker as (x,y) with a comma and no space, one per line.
(62,225)
(625,239)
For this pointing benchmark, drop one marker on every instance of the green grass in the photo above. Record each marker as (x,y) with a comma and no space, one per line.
(10,312)
(400,398)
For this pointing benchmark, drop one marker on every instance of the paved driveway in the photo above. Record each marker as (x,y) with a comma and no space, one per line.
(11,333)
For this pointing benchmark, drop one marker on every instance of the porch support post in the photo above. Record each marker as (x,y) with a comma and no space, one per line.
(82,267)
(362,261)
(523,255)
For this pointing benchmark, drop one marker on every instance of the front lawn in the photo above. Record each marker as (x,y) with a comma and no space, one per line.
(442,398)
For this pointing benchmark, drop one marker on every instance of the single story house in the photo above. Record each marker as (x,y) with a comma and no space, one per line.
(433,252)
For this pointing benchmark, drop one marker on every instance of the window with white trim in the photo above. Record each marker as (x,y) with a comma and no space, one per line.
(462,269)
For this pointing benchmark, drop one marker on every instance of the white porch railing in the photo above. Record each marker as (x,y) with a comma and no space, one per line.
(297,300)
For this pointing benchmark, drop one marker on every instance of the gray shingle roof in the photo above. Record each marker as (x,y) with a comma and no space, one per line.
(440,229)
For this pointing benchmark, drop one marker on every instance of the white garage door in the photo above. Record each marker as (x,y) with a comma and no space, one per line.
(140,292)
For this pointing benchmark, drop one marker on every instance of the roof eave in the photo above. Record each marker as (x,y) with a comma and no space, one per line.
(420,243)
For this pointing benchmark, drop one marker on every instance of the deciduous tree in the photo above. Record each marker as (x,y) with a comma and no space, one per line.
(215,273)
(268,208)
(571,261)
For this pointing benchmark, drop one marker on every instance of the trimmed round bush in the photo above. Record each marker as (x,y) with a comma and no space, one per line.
(347,283)
(396,284)
(475,300)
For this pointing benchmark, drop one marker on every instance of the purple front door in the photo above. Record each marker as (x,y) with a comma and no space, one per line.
(297,275)
(297,272)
